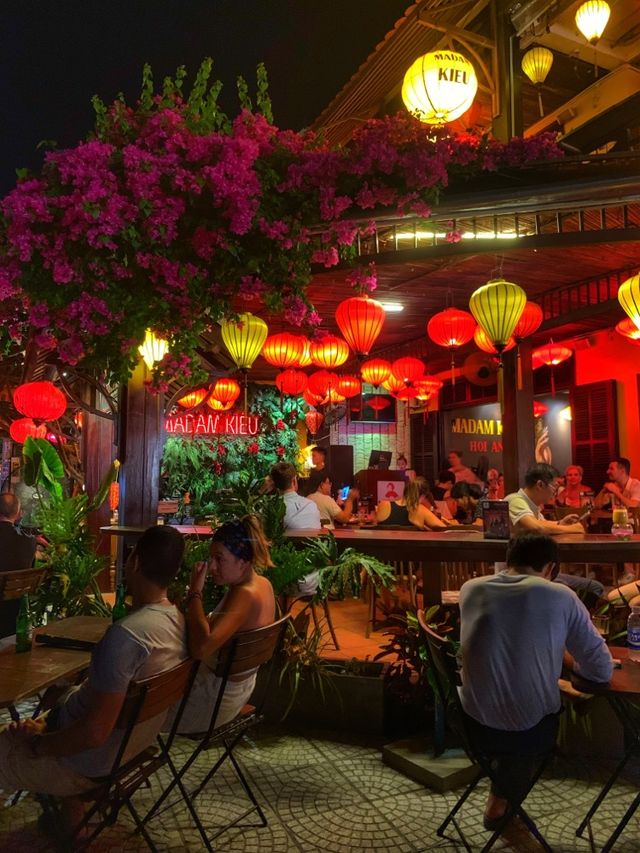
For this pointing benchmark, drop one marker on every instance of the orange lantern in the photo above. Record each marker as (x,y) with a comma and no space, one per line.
(334,396)
(484,342)
(283,350)
(217,406)
(348,386)
(305,358)
(427,387)
(408,369)
(22,428)
(329,352)
(539,409)
(628,329)
(529,321)
(451,328)
(551,354)
(360,320)
(292,382)
(314,420)
(312,399)
(407,393)
(393,384)
(375,371)
(320,381)
(40,401)
(193,398)
(226,391)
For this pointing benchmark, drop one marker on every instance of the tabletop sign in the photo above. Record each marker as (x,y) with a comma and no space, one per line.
(233,423)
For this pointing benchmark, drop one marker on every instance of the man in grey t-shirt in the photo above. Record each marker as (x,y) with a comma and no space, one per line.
(84,741)
(514,629)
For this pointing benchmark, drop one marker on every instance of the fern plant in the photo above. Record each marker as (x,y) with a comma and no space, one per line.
(342,572)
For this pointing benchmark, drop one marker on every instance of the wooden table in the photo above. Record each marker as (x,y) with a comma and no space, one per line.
(623,694)
(135,532)
(26,674)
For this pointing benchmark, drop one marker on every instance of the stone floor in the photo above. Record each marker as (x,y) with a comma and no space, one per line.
(321,794)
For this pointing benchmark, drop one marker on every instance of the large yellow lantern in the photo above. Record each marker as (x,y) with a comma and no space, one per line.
(153,348)
(497,307)
(536,64)
(439,87)
(629,298)
(592,18)
(244,338)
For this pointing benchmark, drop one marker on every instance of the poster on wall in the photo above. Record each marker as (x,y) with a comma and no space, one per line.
(552,429)
(476,432)
(390,490)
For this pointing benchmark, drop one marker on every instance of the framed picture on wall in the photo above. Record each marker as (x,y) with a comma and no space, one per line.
(375,408)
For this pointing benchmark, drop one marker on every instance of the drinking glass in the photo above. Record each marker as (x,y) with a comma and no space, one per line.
(601,624)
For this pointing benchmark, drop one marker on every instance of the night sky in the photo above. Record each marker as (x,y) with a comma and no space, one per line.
(55,55)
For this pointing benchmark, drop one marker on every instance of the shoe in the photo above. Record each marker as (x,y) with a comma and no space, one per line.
(492,823)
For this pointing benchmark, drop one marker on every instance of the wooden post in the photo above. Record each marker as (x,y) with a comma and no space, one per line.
(141,442)
(518,444)
(508,122)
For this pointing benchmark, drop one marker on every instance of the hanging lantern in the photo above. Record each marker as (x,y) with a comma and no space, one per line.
(153,348)
(378,404)
(536,64)
(193,398)
(393,384)
(310,398)
(348,386)
(22,428)
(497,306)
(439,87)
(334,396)
(629,298)
(320,381)
(408,369)
(539,409)
(529,322)
(427,387)
(217,406)
(244,338)
(451,328)
(482,341)
(407,393)
(360,320)
(329,352)
(305,358)
(225,391)
(314,420)
(292,382)
(40,401)
(283,350)
(551,355)
(592,18)
(628,329)
(375,371)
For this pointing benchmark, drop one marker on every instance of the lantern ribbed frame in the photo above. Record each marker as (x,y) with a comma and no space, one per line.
(320,381)
(536,64)
(628,329)
(217,406)
(497,307)
(483,342)
(348,386)
(360,319)
(407,393)
(375,371)
(305,358)
(329,352)
(283,350)
(313,420)
(393,384)
(244,338)
(408,369)
(427,387)
(592,18)
(529,322)
(292,382)
(22,428)
(551,354)
(193,398)
(225,390)
(451,328)
(40,401)
(153,348)
(430,95)
(629,298)
(312,399)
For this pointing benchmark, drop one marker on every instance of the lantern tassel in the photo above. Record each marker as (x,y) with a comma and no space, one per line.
(501,388)
(453,369)
(246,383)
(553,383)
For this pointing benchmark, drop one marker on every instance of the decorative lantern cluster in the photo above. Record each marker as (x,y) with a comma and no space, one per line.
(329,352)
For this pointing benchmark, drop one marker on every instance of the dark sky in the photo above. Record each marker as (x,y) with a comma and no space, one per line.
(56,54)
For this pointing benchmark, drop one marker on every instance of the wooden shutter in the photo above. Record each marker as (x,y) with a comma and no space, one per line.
(594,429)
(423,445)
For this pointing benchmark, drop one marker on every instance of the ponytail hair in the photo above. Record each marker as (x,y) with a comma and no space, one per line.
(245,539)
(259,543)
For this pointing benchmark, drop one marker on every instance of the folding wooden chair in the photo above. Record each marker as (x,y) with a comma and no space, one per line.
(446,679)
(145,699)
(245,652)
(14,585)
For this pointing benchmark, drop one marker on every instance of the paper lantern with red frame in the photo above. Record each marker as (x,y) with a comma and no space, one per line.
(225,390)
(451,328)
(320,381)
(312,399)
(408,369)
(313,420)
(348,386)
(484,342)
(360,320)
(40,401)
(283,350)
(22,428)
(292,382)
(305,358)
(329,352)
(378,404)
(529,322)
(217,406)
(193,398)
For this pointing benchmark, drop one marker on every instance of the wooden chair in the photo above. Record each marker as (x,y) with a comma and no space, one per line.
(14,585)
(145,699)
(311,604)
(244,652)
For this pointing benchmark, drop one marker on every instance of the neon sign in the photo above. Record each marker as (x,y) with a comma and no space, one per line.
(233,423)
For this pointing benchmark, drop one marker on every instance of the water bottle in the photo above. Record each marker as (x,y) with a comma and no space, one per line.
(119,609)
(633,634)
(24,626)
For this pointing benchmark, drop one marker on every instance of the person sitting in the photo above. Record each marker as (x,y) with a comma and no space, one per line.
(460,471)
(401,462)
(80,741)
(17,549)
(330,512)
(238,549)
(408,510)
(620,489)
(467,497)
(494,492)
(574,491)
(318,459)
(514,629)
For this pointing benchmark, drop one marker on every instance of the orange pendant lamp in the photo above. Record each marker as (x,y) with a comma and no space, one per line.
(393,384)
(451,328)
(483,342)
(313,420)
(40,401)
(321,381)
(22,428)
(225,391)
(375,371)
(193,398)
(217,406)
(628,329)
(310,398)
(408,369)
(360,319)
(552,355)
(292,382)
(305,358)
(283,350)
(329,352)
(348,386)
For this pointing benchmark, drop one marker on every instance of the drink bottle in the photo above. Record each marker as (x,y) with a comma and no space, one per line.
(119,609)
(633,634)
(23,626)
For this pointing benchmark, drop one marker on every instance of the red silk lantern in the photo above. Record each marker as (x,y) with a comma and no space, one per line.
(314,420)
(225,391)
(217,406)
(378,404)
(329,352)
(529,321)
(312,399)
(407,393)
(408,369)
(426,387)
(393,384)
(40,401)
(375,371)
(320,381)
(292,382)
(334,396)
(348,386)
(628,329)
(193,398)
(451,328)
(20,429)
(305,358)
(484,342)
(360,320)
(283,350)
(551,355)
(539,409)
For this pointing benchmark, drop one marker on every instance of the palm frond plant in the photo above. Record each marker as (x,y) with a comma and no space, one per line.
(343,572)
(302,662)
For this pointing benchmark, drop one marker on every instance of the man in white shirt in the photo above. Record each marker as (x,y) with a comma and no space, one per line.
(620,489)
(329,509)
(461,472)
(515,627)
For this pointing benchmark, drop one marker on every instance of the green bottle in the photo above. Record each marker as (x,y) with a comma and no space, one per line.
(23,626)
(119,609)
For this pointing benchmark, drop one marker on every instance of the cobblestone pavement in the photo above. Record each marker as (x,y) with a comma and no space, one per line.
(322,794)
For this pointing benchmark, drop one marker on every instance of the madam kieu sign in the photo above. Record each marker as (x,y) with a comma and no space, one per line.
(475,431)
(233,423)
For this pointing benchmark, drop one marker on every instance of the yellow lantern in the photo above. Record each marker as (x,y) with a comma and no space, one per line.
(153,348)
(497,307)
(592,18)
(244,338)
(536,64)
(439,87)
(629,298)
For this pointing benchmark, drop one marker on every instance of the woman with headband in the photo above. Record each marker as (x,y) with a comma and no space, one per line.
(237,547)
